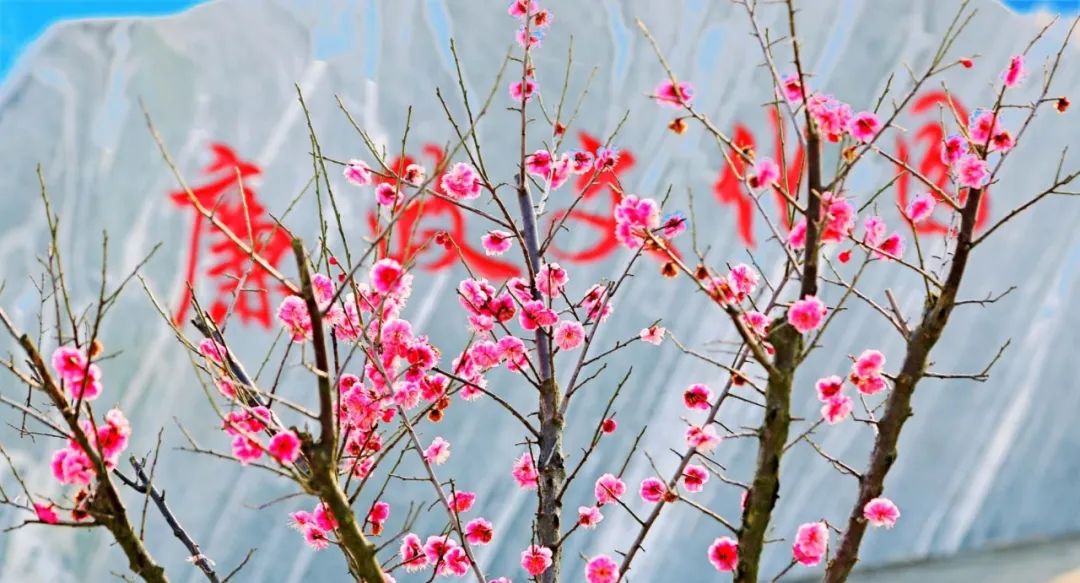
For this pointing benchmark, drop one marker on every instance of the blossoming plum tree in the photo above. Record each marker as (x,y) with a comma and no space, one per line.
(383,385)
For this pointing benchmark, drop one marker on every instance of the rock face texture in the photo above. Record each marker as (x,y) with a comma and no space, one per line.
(980,464)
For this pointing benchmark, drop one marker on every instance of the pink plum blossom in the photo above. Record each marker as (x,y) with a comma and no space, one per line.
(952,147)
(589,516)
(45,513)
(284,447)
(694,477)
(807,314)
(522,91)
(674,95)
(525,473)
(703,439)
(764,172)
(864,126)
(357,173)
(479,532)
(811,542)
(697,396)
(724,554)
(921,207)
(551,279)
(792,88)
(386,194)
(601,569)
(653,335)
(971,171)
(881,512)
(608,489)
(836,409)
(569,335)
(438,452)
(293,313)
(1014,74)
(412,553)
(496,242)
(462,182)
(829,387)
(535,559)
(462,501)
(652,490)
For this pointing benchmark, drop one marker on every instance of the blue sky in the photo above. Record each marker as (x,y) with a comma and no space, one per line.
(22,21)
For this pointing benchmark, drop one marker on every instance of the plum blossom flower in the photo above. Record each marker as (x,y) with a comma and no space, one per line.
(581,161)
(523,8)
(535,559)
(652,490)
(608,489)
(589,516)
(315,537)
(522,91)
(674,95)
(601,569)
(462,182)
(386,194)
(921,207)
(1014,74)
(881,512)
(952,147)
(869,363)
(807,314)
(971,171)
(633,217)
(891,248)
(703,439)
(79,377)
(608,425)
(412,553)
(569,335)
(797,235)
(864,126)
(829,387)
(674,224)
(836,409)
(764,172)
(534,314)
(525,473)
(697,396)
(284,447)
(653,335)
(724,554)
(551,279)
(357,173)
(387,277)
(533,39)
(792,88)
(212,350)
(462,501)
(694,477)
(45,513)
(496,242)
(479,532)
(811,542)
(539,163)
(438,452)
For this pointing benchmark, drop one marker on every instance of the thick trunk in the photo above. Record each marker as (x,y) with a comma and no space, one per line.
(552,468)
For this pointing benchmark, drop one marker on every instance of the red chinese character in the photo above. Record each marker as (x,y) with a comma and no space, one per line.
(931,166)
(729,188)
(231,264)
(415,229)
(602,222)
